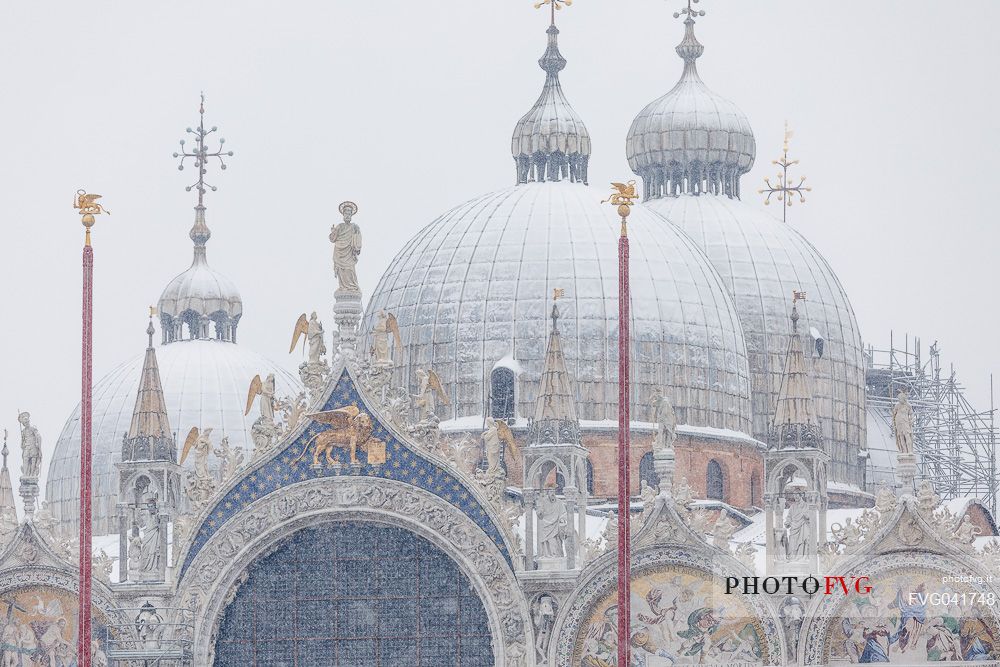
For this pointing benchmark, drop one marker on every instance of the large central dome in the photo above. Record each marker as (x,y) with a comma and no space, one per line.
(474,288)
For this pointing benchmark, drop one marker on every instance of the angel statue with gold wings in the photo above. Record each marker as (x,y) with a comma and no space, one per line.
(383,351)
(201,443)
(264,389)
(495,437)
(430,390)
(312,329)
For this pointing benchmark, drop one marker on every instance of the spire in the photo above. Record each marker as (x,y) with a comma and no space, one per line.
(149,437)
(555,420)
(550,142)
(200,295)
(795,424)
(8,511)
(691,140)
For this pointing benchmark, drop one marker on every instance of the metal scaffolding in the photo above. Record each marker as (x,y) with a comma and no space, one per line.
(955,442)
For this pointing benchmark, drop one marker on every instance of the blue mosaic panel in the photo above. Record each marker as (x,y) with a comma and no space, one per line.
(295,463)
(355,595)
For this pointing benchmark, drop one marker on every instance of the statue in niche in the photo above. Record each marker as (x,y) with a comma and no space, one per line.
(798,527)
(346,239)
(31,448)
(902,423)
(552,525)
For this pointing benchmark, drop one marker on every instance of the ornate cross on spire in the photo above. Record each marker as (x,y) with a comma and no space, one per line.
(555,5)
(783,187)
(201,154)
(690,12)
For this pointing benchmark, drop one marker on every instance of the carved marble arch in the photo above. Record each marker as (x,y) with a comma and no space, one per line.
(543,467)
(212,580)
(781,472)
(909,563)
(690,575)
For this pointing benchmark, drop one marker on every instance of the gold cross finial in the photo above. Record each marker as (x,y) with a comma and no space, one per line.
(783,188)
(556,5)
(690,12)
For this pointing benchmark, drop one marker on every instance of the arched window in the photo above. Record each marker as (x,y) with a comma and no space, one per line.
(647,472)
(714,482)
(502,382)
(353,594)
(590,478)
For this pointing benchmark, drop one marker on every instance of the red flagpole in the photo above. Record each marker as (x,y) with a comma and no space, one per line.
(624,420)
(88,207)
(83,642)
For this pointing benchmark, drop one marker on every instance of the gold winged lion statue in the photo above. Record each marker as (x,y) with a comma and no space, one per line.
(351,430)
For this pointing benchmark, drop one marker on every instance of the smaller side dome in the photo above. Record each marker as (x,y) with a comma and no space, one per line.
(691,140)
(200,296)
(551,142)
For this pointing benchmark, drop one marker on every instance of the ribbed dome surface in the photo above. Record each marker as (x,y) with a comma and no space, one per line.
(205,384)
(202,290)
(761,261)
(475,287)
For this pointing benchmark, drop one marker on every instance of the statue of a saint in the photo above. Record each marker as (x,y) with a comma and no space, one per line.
(552,525)
(149,540)
(666,422)
(230,459)
(544,618)
(149,626)
(346,239)
(722,530)
(798,528)
(902,423)
(314,335)
(31,448)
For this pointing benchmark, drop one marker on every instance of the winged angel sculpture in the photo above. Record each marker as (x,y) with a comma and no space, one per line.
(382,352)
(312,330)
(428,393)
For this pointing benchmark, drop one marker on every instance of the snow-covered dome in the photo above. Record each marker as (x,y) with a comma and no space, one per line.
(205,384)
(474,288)
(550,142)
(200,295)
(762,260)
(691,140)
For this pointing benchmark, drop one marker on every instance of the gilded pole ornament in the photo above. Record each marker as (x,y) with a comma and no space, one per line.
(623,196)
(88,207)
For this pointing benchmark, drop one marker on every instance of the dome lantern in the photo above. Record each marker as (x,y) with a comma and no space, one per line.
(550,142)
(691,140)
(200,296)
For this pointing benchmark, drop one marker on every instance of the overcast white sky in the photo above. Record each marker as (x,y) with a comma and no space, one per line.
(407,108)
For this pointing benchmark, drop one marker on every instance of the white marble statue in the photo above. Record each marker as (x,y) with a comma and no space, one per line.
(31,448)
(966,532)
(429,390)
(647,494)
(149,626)
(230,459)
(722,530)
(315,338)
(386,338)
(544,618)
(848,534)
(798,528)
(666,422)
(149,541)
(202,447)
(346,239)
(552,525)
(902,423)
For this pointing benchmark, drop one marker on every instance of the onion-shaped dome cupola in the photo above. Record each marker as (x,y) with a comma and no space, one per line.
(550,142)
(691,140)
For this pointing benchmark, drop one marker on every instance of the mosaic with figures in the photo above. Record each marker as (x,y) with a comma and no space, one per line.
(679,617)
(40,629)
(915,616)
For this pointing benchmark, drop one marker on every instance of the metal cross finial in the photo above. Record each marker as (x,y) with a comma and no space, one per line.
(556,5)
(690,12)
(783,188)
(201,154)
(557,294)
